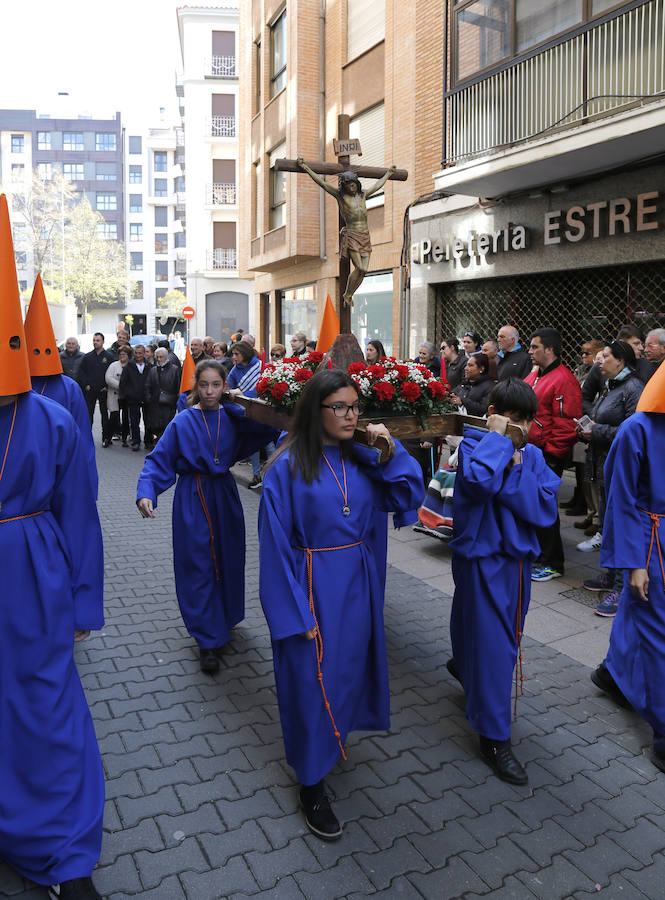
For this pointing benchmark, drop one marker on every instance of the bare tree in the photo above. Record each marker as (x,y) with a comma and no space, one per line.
(44,207)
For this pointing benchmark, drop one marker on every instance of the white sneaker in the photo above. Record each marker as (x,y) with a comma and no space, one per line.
(592,544)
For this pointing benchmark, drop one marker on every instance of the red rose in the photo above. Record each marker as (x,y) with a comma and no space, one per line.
(303,374)
(376,371)
(410,391)
(315,356)
(402,372)
(384,390)
(279,390)
(436,389)
(423,369)
(356,368)
(291,359)
(262,385)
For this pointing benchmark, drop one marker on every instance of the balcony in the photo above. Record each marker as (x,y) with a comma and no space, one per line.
(181,267)
(180,200)
(588,103)
(222,67)
(179,137)
(222,195)
(223,126)
(221,259)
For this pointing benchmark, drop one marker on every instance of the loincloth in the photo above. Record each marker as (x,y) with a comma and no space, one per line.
(354,240)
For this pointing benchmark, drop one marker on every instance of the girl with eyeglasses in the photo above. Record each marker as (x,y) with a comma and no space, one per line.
(322,539)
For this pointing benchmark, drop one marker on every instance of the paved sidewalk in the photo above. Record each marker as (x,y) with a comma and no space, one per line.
(201,804)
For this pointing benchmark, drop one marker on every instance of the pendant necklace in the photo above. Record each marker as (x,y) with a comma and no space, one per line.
(346,509)
(9,440)
(215,456)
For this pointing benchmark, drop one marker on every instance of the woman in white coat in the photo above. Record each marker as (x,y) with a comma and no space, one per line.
(115,403)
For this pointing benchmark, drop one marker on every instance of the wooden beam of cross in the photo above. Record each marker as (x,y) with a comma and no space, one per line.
(355,246)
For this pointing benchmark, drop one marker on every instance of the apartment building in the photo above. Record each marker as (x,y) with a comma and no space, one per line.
(155,206)
(307,62)
(551,209)
(209,102)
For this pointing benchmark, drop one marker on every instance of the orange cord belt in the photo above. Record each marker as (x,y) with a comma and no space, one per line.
(318,637)
(206,513)
(26,516)
(655,525)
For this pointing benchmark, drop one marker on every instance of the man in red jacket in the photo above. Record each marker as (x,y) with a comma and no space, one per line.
(553,430)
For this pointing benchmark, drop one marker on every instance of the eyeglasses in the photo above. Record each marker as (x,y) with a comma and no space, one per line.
(587,353)
(277,356)
(341,410)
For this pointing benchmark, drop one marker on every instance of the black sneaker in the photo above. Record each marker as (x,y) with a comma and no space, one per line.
(320,818)
(499,755)
(208,661)
(658,759)
(602,678)
(76,889)
(451,665)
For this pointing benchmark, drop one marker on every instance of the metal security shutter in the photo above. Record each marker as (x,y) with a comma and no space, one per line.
(366,25)
(370,128)
(581,304)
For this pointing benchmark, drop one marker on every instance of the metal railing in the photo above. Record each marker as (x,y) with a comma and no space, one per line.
(221,259)
(593,74)
(223,67)
(222,194)
(223,126)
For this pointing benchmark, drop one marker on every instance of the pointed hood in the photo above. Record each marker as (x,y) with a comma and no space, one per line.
(43,355)
(653,395)
(329,327)
(187,377)
(14,368)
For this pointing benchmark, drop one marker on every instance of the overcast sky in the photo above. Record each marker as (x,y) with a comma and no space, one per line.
(117,56)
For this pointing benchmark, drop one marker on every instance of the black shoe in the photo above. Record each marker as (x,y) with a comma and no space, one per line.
(576,511)
(208,660)
(451,665)
(125,444)
(106,443)
(602,679)
(320,818)
(135,447)
(149,446)
(499,755)
(658,759)
(76,889)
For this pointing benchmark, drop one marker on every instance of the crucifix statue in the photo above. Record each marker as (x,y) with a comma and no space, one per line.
(355,244)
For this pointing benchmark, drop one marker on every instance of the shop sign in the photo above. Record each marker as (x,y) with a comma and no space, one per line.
(503,240)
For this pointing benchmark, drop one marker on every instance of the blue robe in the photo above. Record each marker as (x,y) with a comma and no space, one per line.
(182,401)
(495,516)
(635,481)
(51,779)
(210,588)
(348,590)
(68,393)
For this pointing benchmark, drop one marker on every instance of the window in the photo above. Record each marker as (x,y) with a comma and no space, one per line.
(258,193)
(372,313)
(538,20)
(135,144)
(106,201)
(135,260)
(44,171)
(160,160)
(161,187)
(21,258)
(135,231)
(18,171)
(135,203)
(161,242)
(108,231)
(277,190)
(18,143)
(23,286)
(178,184)
(278,54)
(299,311)
(72,140)
(137,290)
(161,270)
(179,239)
(43,140)
(159,293)
(105,171)
(258,74)
(366,26)
(369,128)
(136,174)
(73,171)
(161,216)
(105,140)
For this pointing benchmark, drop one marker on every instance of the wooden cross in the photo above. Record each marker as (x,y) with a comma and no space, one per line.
(342,165)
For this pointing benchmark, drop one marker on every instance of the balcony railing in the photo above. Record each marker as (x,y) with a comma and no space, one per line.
(180,198)
(222,259)
(593,74)
(223,126)
(222,194)
(223,67)
(180,137)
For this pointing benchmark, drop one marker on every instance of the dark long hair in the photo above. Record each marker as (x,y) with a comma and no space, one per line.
(305,440)
(198,371)
(378,346)
(623,351)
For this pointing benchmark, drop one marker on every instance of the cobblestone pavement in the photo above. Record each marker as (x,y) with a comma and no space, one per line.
(200,803)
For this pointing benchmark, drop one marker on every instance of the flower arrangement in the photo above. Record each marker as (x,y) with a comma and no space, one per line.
(401,388)
(281,385)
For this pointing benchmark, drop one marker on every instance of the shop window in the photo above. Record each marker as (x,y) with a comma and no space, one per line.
(372,312)
(299,313)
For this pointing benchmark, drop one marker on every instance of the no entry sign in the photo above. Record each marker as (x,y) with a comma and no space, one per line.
(188,312)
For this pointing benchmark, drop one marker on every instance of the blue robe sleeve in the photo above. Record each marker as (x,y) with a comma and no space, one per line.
(530,492)
(399,482)
(250,435)
(285,604)
(74,508)
(484,465)
(159,468)
(182,402)
(623,527)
